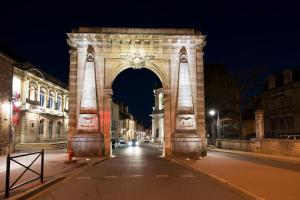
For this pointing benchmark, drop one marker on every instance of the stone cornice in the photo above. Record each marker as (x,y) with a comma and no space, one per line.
(99,39)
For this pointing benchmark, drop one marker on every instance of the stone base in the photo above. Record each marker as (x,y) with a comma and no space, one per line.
(87,144)
(188,145)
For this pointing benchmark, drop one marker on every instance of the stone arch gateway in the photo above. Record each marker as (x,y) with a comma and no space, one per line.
(98,55)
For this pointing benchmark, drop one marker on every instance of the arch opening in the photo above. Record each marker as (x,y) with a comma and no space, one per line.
(136,109)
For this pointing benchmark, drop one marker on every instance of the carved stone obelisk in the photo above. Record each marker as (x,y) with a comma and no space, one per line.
(87,140)
(185,140)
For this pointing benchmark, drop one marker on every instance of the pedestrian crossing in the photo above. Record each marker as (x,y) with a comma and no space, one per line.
(136,176)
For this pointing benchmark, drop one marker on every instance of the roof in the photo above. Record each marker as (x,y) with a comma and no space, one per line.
(38,72)
(153,31)
(280,79)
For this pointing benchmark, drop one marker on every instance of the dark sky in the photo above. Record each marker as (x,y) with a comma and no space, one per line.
(241,35)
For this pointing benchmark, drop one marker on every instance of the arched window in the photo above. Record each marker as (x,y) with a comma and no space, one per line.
(58,128)
(41,127)
(42,97)
(160,101)
(51,100)
(32,93)
(58,103)
(67,103)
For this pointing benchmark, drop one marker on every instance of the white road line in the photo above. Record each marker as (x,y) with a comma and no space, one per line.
(136,176)
(110,177)
(161,176)
(187,176)
(83,177)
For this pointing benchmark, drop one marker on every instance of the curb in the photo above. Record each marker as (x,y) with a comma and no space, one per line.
(240,190)
(37,190)
(253,155)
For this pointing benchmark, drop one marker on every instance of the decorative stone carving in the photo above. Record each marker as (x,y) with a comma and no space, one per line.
(90,56)
(137,60)
(183,57)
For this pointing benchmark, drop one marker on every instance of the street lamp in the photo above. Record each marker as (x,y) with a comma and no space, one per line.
(214,124)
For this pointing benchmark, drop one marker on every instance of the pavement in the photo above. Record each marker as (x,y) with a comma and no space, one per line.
(137,173)
(261,176)
(141,173)
(55,168)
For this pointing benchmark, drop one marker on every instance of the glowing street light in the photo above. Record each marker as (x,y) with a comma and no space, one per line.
(212,112)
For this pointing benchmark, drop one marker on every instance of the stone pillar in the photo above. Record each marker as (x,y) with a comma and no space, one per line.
(72,95)
(259,124)
(185,141)
(87,141)
(200,100)
(107,121)
(167,122)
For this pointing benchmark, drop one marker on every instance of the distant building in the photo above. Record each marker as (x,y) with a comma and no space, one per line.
(33,105)
(123,124)
(158,116)
(281,104)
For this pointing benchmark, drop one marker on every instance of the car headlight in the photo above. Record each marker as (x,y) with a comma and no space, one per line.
(130,143)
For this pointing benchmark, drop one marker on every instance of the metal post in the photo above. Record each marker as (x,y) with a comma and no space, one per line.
(42,166)
(7,187)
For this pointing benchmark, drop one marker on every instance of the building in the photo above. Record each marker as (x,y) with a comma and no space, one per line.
(281,104)
(34,106)
(123,124)
(158,116)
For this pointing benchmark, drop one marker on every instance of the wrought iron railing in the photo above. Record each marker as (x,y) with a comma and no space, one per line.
(14,185)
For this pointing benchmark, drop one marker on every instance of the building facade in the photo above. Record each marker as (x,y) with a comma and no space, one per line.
(158,116)
(34,106)
(281,104)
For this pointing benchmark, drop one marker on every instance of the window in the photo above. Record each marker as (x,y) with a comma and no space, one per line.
(41,127)
(58,128)
(51,100)
(50,129)
(42,97)
(160,101)
(58,103)
(32,93)
(67,103)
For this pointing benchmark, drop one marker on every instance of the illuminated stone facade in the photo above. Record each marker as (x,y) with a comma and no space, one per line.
(174,55)
(158,116)
(34,105)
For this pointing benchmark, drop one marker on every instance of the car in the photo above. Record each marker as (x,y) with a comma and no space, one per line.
(147,139)
(133,142)
(122,141)
(115,143)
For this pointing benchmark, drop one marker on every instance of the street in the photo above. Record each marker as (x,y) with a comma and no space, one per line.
(138,172)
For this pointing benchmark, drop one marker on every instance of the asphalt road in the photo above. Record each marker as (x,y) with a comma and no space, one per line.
(139,173)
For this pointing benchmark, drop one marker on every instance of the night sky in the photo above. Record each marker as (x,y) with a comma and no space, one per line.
(240,35)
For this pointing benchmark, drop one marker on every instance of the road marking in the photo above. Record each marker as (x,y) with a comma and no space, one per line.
(187,176)
(83,177)
(161,176)
(136,176)
(109,177)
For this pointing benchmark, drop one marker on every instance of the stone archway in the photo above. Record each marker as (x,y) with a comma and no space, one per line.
(98,55)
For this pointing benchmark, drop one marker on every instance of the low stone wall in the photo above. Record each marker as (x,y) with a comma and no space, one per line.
(269,146)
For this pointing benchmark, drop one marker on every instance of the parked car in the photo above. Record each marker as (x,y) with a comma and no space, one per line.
(147,139)
(115,143)
(122,141)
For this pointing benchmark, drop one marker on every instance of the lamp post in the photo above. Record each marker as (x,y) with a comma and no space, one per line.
(215,125)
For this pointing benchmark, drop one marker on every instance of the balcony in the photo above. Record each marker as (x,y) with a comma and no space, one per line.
(32,102)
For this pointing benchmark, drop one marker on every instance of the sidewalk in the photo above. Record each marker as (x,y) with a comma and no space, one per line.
(257,180)
(261,155)
(55,166)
